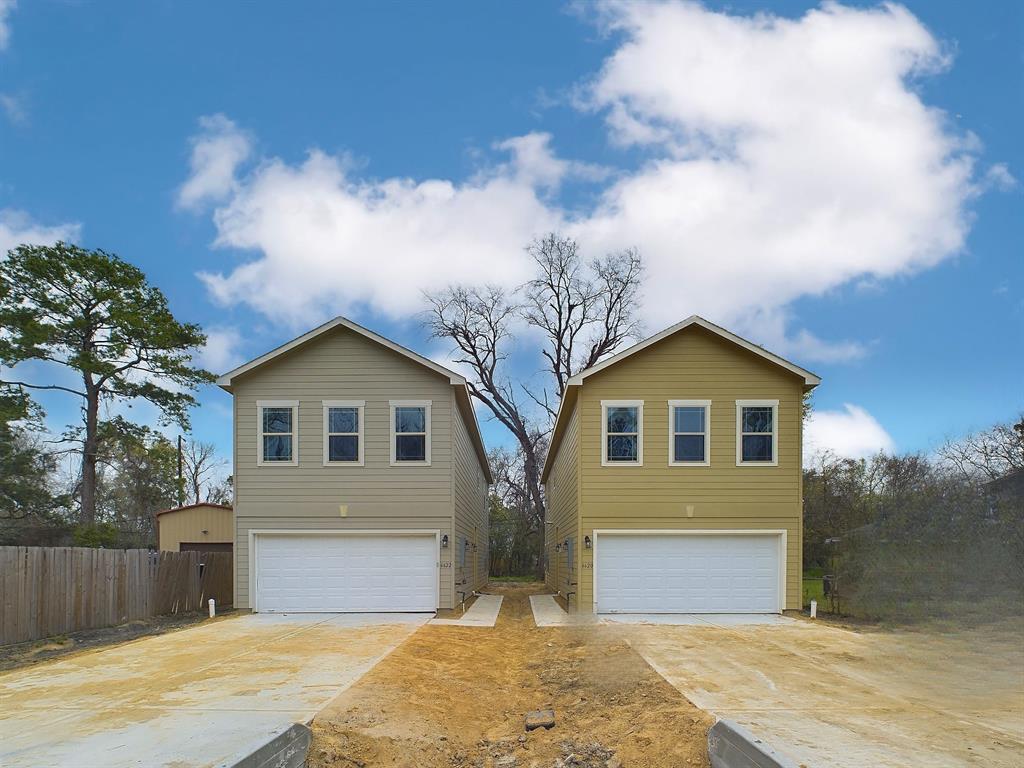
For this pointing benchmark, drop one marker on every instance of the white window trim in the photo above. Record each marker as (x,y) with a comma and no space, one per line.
(426,405)
(639,405)
(672,405)
(360,405)
(260,405)
(740,405)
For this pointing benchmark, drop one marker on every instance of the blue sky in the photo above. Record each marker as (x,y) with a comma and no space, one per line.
(838,184)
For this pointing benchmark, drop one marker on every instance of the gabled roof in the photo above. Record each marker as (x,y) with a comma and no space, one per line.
(226,507)
(565,407)
(225,381)
(458,382)
(810,379)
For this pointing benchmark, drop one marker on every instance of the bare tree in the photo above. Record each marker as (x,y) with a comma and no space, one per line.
(479,321)
(221,492)
(987,455)
(201,467)
(586,311)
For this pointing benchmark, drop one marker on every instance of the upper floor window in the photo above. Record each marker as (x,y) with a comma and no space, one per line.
(757,436)
(622,432)
(410,432)
(343,432)
(689,433)
(279,432)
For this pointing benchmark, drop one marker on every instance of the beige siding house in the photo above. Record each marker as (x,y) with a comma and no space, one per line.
(674,479)
(199,527)
(360,478)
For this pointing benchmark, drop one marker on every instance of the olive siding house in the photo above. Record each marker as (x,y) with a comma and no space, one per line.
(674,479)
(360,478)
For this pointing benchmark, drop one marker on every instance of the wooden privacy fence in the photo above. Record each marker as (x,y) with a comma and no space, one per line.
(48,591)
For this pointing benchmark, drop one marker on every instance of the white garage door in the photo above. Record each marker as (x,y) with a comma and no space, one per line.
(707,573)
(329,573)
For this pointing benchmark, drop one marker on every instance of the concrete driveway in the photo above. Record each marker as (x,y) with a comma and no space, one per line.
(199,697)
(830,696)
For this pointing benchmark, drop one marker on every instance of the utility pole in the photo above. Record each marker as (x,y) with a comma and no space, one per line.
(181,479)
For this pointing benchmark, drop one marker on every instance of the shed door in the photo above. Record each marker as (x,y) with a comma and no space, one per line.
(329,573)
(204,546)
(671,573)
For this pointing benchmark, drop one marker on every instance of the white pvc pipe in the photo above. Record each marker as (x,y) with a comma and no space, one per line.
(213,607)
(814,609)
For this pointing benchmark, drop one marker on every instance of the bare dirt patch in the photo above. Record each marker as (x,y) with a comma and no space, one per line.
(36,651)
(457,697)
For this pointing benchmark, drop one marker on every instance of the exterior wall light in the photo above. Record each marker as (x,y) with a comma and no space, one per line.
(587,543)
(444,541)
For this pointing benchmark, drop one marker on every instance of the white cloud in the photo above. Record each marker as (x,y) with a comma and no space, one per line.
(14,109)
(221,352)
(851,432)
(999,177)
(770,328)
(535,164)
(6,8)
(790,156)
(329,242)
(18,228)
(217,151)
(784,158)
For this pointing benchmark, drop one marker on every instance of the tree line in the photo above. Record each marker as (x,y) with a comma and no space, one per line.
(922,535)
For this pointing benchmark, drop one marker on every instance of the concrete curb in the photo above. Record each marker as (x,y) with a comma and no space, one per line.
(731,746)
(286,750)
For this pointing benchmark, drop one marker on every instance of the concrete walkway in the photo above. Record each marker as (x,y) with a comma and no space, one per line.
(204,696)
(482,613)
(548,613)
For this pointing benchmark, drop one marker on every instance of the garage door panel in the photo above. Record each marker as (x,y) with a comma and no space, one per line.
(346,573)
(671,573)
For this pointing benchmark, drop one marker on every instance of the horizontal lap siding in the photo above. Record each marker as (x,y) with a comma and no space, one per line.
(563,512)
(469,492)
(693,365)
(341,365)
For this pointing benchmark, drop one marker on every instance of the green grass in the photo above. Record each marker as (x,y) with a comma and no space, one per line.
(900,609)
(814,590)
(527,578)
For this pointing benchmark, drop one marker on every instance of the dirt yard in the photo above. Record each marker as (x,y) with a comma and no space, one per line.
(456,697)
